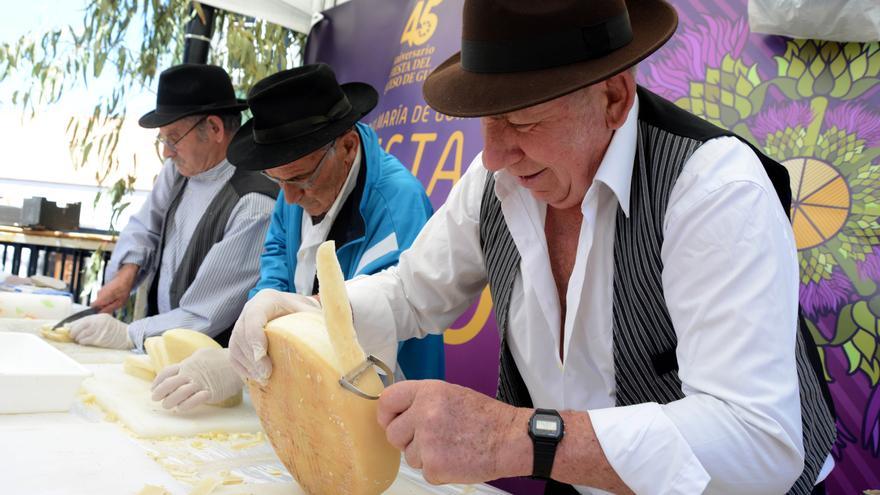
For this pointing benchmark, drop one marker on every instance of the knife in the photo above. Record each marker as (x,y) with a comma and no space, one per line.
(76,316)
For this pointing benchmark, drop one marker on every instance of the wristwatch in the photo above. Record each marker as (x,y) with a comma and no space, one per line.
(546,429)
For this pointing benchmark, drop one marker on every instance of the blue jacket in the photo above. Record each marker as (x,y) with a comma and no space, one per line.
(393,209)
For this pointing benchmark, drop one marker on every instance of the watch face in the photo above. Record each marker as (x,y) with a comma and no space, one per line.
(546,425)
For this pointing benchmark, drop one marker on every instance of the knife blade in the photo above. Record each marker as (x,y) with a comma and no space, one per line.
(76,316)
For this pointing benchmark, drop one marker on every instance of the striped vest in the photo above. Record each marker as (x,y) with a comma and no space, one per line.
(645,365)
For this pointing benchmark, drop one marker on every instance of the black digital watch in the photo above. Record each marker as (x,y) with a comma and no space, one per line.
(546,429)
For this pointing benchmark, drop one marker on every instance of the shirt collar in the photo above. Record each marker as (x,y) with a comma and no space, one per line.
(217,172)
(616,168)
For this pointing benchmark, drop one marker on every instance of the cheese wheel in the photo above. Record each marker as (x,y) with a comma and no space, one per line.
(326,436)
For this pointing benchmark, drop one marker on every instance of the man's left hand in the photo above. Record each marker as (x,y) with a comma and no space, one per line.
(454,434)
(101,330)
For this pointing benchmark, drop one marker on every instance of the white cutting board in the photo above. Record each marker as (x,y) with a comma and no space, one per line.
(60,454)
(82,354)
(129,399)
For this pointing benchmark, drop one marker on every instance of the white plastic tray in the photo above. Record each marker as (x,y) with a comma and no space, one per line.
(36,377)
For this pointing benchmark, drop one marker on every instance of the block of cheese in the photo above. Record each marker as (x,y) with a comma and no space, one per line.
(180,343)
(326,436)
(60,334)
(139,366)
(174,346)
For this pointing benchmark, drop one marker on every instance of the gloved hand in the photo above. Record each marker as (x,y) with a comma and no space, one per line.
(206,376)
(247,345)
(101,330)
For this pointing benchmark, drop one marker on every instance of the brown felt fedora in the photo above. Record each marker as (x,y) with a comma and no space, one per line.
(518,53)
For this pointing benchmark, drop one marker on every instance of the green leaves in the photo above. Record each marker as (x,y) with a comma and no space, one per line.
(75,56)
(858,334)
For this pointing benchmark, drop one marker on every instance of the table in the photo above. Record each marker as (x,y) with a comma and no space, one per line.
(59,254)
(57,450)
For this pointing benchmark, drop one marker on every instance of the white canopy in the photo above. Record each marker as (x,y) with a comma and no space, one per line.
(293,14)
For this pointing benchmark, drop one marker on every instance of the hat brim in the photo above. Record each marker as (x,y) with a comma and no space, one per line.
(453,91)
(154,119)
(245,153)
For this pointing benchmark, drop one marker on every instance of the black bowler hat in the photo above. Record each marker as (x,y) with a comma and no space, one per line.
(296,112)
(192,89)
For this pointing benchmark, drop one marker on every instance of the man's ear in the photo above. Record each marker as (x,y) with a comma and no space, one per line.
(216,128)
(620,91)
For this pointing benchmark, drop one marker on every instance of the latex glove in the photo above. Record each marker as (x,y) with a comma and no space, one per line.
(247,345)
(205,377)
(101,330)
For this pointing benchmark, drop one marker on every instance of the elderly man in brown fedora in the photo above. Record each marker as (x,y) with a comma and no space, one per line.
(193,240)
(642,268)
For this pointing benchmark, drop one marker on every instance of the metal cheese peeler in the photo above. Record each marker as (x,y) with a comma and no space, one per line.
(351,377)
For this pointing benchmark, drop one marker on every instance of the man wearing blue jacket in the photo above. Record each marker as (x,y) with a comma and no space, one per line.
(337,184)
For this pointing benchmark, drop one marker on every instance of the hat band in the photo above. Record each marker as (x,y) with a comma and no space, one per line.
(302,127)
(189,108)
(553,50)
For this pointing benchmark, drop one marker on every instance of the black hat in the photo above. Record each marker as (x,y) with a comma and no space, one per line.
(192,89)
(296,112)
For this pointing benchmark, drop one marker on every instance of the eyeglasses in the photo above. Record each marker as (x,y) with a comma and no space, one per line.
(172,145)
(304,181)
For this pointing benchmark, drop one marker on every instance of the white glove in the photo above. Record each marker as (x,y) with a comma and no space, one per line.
(206,376)
(247,345)
(101,330)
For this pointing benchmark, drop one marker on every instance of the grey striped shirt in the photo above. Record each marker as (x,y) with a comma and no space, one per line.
(232,267)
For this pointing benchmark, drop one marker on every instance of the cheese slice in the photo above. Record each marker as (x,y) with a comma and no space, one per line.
(139,366)
(60,334)
(326,436)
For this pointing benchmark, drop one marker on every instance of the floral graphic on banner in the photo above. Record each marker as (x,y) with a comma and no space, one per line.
(815,107)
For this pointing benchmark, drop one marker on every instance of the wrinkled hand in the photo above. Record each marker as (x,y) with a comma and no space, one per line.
(115,293)
(247,345)
(452,433)
(101,330)
(205,377)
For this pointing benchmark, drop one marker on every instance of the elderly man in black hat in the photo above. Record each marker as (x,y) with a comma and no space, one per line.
(642,267)
(337,184)
(194,238)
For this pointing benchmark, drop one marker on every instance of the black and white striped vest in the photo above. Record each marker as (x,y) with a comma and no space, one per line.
(645,366)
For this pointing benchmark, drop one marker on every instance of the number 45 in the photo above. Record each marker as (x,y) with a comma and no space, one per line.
(421,24)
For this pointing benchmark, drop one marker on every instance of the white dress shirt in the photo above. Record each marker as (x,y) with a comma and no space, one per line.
(312,235)
(730,281)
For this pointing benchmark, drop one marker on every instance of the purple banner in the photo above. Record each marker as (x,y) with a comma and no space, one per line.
(812,105)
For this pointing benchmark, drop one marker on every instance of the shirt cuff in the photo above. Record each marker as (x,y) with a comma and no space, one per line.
(647,451)
(137,334)
(373,321)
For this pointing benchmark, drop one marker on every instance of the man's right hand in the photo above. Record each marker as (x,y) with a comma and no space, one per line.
(247,345)
(115,293)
